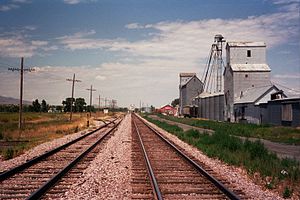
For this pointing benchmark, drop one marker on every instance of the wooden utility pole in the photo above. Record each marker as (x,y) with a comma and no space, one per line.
(73,81)
(99,102)
(21,89)
(91,94)
(21,94)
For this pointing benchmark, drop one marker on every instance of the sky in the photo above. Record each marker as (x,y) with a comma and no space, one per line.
(134,50)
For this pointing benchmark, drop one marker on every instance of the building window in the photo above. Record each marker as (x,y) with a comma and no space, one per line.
(287,112)
(246,75)
(248,53)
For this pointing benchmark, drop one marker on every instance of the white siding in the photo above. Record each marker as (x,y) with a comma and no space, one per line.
(244,80)
(238,55)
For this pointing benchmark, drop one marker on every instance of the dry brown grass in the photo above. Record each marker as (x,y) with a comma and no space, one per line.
(39,130)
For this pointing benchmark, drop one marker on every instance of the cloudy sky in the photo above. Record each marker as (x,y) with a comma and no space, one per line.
(134,50)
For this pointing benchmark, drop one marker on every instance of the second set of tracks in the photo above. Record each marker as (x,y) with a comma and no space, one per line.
(50,175)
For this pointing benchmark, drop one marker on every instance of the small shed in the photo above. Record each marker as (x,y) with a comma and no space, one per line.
(285,112)
(168,110)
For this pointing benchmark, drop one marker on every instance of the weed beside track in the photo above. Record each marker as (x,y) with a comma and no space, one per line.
(253,156)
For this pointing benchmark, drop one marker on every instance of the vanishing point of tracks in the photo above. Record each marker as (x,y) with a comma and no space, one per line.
(50,175)
(161,171)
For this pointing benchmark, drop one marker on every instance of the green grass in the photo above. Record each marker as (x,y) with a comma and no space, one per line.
(253,156)
(287,135)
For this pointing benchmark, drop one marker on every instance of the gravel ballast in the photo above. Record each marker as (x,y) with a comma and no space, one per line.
(109,174)
(236,176)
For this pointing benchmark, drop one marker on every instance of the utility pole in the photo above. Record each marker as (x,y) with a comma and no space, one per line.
(105,101)
(140,105)
(91,94)
(73,81)
(21,88)
(99,98)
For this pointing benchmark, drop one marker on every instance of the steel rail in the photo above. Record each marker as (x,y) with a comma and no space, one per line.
(217,183)
(6,174)
(149,167)
(42,190)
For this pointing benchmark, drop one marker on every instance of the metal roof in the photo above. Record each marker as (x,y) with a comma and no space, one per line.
(187,74)
(206,94)
(253,94)
(246,44)
(250,67)
(183,85)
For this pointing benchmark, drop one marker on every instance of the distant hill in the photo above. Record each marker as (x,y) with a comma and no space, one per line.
(10,100)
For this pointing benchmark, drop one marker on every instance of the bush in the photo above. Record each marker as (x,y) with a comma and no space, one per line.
(287,193)
(8,154)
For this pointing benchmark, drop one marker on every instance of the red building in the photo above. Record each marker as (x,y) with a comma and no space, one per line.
(168,110)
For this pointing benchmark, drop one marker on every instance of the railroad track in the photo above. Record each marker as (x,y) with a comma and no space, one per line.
(162,171)
(48,176)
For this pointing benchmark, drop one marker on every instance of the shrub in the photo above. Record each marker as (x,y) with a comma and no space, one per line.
(8,153)
(287,193)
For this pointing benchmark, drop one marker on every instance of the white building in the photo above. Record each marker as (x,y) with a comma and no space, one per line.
(246,68)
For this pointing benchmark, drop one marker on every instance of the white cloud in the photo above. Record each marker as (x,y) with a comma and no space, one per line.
(39,43)
(21,1)
(18,43)
(72,2)
(13,5)
(100,77)
(287,76)
(8,7)
(134,26)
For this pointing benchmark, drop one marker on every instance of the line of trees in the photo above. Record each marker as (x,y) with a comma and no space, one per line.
(35,107)
(79,105)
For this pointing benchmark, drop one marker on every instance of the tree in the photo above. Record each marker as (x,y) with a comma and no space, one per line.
(44,106)
(90,108)
(79,105)
(67,104)
(36,106)
(175,102)
(58,108)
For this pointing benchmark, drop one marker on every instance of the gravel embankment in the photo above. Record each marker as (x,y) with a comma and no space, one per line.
(109,174)
(236,176)
(42,148)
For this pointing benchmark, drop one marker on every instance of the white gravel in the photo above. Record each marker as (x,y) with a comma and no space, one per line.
(42,148)
(109,174)
(237,176)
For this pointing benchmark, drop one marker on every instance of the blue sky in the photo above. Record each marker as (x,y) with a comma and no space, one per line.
(134,50)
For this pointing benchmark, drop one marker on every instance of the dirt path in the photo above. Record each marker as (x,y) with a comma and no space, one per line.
(282,150)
